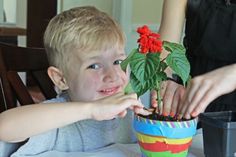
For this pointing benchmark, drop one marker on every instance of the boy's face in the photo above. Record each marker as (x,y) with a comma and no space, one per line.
(97,74)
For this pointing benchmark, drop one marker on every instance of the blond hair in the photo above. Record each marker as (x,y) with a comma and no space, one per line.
(81,29)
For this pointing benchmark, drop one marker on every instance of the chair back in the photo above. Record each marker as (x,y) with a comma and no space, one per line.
(14,59)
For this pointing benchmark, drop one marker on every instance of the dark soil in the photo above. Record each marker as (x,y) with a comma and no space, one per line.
(157,116)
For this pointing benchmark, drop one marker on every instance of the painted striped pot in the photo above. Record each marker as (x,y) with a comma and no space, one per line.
(164,138)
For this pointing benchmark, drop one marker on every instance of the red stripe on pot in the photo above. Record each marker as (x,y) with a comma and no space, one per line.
(162,147)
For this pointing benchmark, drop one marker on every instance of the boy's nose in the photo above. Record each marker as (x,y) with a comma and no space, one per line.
(111,75)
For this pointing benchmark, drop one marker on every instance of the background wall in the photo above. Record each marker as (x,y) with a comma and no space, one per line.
(105,5)
(10,10)
(150,14)
(21,12)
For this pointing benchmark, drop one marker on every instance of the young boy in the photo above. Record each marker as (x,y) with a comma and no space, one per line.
(85,47)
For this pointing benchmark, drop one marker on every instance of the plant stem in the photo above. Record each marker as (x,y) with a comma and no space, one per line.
(159,100)
(163,59)
(159,97)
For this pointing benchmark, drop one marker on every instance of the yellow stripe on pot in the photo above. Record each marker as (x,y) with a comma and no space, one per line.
(153,139)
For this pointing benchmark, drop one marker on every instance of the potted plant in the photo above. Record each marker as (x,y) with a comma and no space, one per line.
(158,136)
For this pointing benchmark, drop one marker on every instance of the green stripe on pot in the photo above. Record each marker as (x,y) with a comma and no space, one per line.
(163,154)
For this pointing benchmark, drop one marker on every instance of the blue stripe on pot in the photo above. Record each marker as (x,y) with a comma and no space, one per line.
(180,129)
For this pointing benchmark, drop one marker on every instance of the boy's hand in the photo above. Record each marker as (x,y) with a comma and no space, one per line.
(116,105)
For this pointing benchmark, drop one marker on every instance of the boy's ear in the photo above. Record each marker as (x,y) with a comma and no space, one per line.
(57,78)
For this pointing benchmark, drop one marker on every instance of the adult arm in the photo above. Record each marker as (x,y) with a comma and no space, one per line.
(171,29)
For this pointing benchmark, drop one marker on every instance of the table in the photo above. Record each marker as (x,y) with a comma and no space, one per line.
(196,149)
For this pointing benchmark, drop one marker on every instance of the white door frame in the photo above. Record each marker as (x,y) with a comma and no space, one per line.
(122,12)
(1,11)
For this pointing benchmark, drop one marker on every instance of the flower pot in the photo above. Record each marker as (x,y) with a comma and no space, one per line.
(219,133)
(164,138)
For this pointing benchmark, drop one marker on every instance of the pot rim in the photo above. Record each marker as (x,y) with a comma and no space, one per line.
(169,129)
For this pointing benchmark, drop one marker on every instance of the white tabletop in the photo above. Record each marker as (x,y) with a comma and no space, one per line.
(196,149)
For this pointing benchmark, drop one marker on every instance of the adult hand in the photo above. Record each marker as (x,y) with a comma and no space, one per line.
(171,92)
(205,88)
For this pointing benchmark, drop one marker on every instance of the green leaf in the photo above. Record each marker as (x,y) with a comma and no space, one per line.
(144,66)
(136,85)
(128,89)
(160,76)
(170,46)
(150,84)
(129,59)
(178,62)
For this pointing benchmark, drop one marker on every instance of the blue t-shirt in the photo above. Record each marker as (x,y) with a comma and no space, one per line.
(85,135)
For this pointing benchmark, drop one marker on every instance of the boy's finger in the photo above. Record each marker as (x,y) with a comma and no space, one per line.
(122,114)
(142,111)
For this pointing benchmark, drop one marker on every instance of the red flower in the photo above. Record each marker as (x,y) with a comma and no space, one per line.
(155,46)
(144,30)
(155,35)
(149,41)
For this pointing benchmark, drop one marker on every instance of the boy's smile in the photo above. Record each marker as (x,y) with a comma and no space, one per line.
(110,91)
(97,74)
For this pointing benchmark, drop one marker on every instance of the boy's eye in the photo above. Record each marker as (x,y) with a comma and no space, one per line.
(93,66)
(117,62)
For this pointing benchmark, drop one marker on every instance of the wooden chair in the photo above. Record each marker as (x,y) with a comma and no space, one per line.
(14,59)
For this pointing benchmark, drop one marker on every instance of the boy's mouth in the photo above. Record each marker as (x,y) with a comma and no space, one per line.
(109,91)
